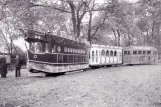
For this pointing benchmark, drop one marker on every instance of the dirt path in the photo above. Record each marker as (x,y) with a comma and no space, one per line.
(128,86)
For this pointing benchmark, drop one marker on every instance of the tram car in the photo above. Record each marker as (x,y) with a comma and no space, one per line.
(103,55)
(140,55)
(54,54)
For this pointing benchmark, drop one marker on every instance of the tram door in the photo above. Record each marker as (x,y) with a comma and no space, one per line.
(103,57)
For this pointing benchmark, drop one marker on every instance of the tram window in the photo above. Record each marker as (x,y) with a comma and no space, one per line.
(65,60)
(70,58)
(38,47)
(144,52)
(99,53)
(92,56)
(115,53)
(75,58)
(80,59)
(32,47)
(139,52)
(92,53)
(96,53)
(89,55)
(103,53)
(120,53)
(107,53)
(134,52)
(149,52)
(128,52)
(84,57)
(155,52)
(60,58)
(46,48)
(125,52)
(53,49)
(96,56)
(111,53)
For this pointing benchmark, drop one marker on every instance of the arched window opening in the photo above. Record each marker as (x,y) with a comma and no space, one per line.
(107,53)
(111,53)
(96,56)
(115,53)
(92,56)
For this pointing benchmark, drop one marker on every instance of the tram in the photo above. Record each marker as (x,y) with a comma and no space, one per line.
(140,55)
(54,54)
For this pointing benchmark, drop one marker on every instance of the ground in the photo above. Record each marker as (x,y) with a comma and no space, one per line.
(124,86)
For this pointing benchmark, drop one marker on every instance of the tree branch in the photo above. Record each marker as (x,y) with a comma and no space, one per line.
(52,7)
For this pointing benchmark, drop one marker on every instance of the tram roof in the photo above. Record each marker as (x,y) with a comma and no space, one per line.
(105,46)
(140,48)
(35,36)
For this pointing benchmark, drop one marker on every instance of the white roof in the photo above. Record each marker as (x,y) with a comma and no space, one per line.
(140,48)
(104,46)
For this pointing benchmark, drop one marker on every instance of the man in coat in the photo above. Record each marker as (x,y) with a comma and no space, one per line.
(3,67)
(17,66)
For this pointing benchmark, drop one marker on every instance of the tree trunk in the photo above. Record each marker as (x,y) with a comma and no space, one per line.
(78,27)
(74,21)
(152,34)
(119,36)
(89,26)
(129,41)
(114,32)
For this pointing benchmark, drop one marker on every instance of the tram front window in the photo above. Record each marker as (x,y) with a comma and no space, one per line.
(38,47)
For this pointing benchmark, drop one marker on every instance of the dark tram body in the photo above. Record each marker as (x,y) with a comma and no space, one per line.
(53,54)
(48,53)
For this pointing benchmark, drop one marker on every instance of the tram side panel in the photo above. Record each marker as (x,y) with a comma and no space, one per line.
(106,55)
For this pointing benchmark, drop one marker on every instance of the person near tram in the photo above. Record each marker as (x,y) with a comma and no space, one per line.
(3,67)
(17,66)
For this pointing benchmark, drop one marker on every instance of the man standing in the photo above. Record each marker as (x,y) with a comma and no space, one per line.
(3,67)
(17,66)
